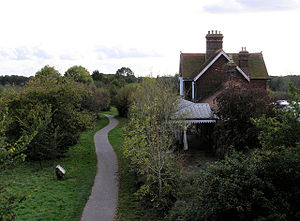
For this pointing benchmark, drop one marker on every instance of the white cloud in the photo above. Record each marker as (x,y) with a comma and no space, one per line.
(145,36)
(239,6)
(23,53)
(118,52)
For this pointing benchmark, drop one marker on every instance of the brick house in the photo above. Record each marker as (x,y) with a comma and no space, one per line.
(203,76)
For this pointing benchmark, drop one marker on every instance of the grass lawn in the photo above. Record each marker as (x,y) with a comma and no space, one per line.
(128,208)
(48,198)
(112,111)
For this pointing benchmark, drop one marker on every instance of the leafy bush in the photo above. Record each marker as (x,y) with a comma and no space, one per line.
(236,108)
(148,144)
(284,128)
(125,98)
(48,72)
(79,74)
(51,112)
(97,100)
(261,186)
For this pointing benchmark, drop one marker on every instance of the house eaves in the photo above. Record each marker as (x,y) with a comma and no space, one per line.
(214,60)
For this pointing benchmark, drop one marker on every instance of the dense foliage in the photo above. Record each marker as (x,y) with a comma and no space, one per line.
(124,98)
(47,72)
(281,83)
(236,107)
(261,186)
(279,86)
(79,74)
(13,80)
(51,111)
(284,128)
(148,144)
(45,117)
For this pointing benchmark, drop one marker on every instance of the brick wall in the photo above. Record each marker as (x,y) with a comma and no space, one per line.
(216,79)
(212,80)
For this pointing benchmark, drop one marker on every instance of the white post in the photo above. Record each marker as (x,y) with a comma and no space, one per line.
(181,86)
(193,90)
(185,143)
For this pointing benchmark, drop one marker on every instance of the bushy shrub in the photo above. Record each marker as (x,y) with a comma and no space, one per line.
(284,128)
(52,111)
(236,107)
(47,72)
(125,98)
(97,100)
(79,74)
(148,143)
(262,186)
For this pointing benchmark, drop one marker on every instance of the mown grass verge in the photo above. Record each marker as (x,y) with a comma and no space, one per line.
(51,199)
(112,111)
(128,207)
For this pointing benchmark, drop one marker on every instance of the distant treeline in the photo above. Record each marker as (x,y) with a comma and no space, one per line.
(13,80)
(278,83)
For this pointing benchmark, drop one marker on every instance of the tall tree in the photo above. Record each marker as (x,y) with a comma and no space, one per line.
(79,74)
(148,144)
(236,108)
(97,76)
(47,72)
(124,71)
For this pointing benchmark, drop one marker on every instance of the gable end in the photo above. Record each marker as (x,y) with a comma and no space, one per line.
(210,64)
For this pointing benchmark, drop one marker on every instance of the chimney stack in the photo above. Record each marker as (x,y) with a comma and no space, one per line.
(214,42)
(243,59)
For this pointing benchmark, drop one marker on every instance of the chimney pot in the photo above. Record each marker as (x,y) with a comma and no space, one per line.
(243,60)
(214,42)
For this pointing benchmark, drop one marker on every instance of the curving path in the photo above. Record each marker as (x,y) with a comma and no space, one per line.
(103,200)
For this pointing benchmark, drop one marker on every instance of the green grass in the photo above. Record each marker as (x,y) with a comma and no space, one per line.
(128,208)
(112,111)
(51,199)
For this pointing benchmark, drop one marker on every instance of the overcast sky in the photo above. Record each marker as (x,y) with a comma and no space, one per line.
(146,36)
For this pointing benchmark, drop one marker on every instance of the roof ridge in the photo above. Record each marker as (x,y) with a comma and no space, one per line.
(192,53)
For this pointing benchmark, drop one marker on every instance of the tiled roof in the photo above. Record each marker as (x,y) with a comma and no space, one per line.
(193,111)
(256,65)
(192,64)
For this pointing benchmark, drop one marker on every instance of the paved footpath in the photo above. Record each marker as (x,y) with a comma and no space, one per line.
(103,200)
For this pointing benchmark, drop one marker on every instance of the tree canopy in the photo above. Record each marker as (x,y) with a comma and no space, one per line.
(79,74)
(47,72)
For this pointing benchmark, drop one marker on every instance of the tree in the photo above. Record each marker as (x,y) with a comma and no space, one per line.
(79,74)
(263,185)
(97,76)
(124,98)
(97,100)
(148,144)
(13,80)
(124,72)
(47,72)
(10,154)
(284,128)
(127,74)
(236,107)
(51,110)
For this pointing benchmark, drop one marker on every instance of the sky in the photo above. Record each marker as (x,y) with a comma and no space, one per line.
(146,36)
